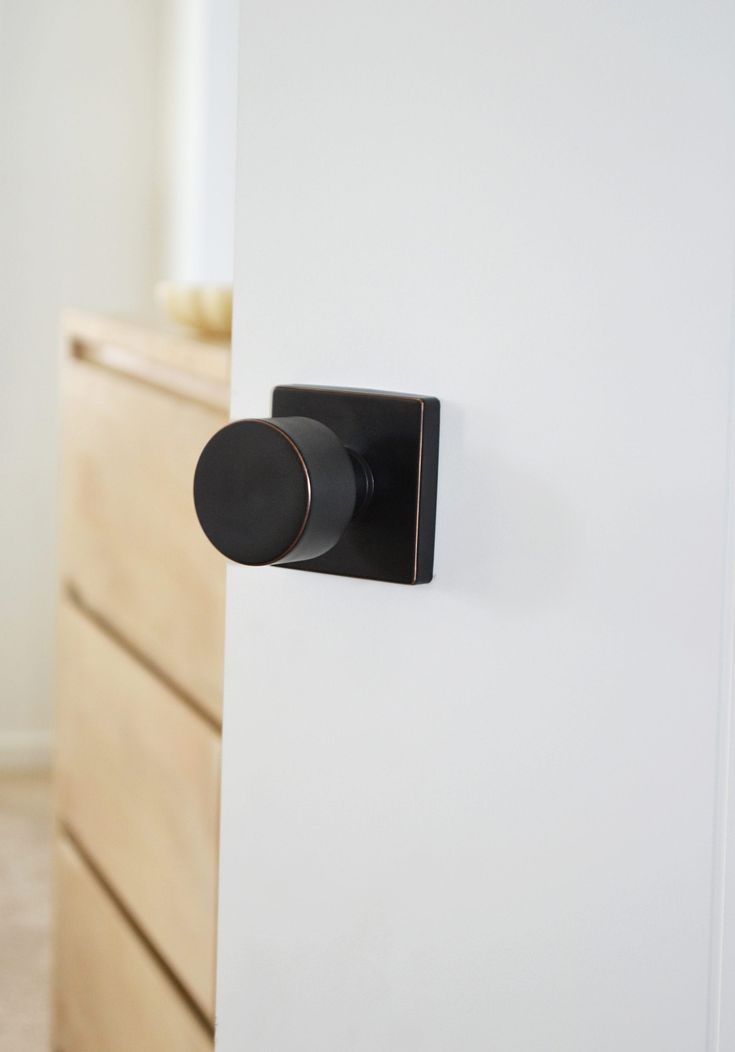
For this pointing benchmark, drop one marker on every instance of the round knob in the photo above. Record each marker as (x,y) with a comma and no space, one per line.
(277,491)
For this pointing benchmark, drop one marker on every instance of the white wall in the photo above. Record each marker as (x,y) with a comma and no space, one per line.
(117,133)
(78,226)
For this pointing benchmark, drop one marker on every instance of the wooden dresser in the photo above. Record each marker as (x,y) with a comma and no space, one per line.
(140,691)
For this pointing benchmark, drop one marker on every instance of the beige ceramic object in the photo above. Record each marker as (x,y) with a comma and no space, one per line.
(207,308)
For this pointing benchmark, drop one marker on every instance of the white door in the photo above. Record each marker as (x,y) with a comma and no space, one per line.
(487,814)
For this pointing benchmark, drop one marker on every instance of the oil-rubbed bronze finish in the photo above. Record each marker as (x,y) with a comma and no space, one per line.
(270,491)
(398,436)
(339,481)
(307,506)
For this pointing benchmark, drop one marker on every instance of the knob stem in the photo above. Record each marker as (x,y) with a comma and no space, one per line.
(364,483)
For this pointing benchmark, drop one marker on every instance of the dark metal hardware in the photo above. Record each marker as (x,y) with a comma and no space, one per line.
(337,481)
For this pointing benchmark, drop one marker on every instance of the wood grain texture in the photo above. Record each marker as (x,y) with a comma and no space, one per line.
(199,356)
(132,547)
(153,372)
(111,994)
(138,784)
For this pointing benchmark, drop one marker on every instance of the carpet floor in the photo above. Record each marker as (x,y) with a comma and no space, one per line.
(25,913)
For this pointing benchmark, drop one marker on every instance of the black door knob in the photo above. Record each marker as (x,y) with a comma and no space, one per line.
(279,490)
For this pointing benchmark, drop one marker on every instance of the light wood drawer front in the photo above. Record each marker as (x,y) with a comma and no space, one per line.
(132,546)
(111,994)
(138,785)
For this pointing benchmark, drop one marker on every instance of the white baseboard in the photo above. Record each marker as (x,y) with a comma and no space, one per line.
(25,751)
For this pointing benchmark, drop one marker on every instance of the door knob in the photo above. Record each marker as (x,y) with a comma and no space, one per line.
(336,481)
(278,490)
